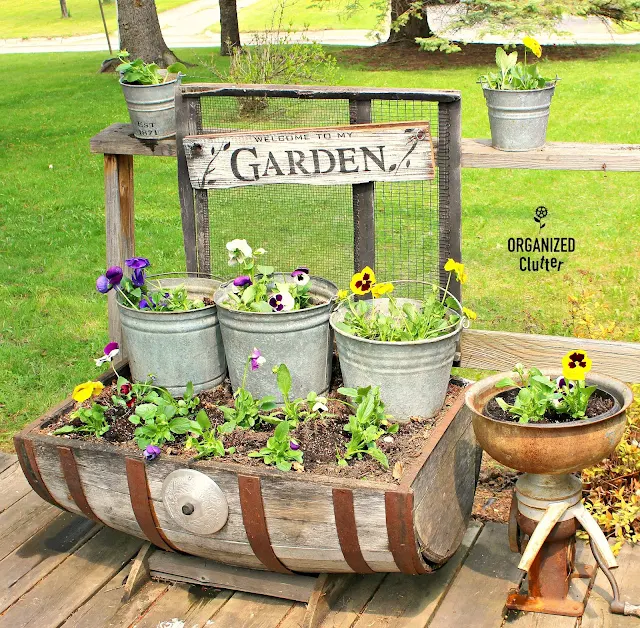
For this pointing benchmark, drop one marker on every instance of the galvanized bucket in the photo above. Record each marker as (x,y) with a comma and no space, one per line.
(413,376)
(518,118)
(301,339)
(152,108)
(176,347)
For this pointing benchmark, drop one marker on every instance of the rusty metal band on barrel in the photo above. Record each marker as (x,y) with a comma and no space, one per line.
(402,538)
(255,523)
(344,513)
(74,484)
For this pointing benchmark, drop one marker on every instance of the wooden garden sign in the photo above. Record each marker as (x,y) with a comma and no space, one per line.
(400,151)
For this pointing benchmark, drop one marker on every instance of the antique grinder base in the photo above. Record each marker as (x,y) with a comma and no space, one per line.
(548,509)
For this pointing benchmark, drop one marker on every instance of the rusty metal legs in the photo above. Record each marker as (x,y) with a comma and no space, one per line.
(550,572)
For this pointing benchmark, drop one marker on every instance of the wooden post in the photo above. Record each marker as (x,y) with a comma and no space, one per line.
(364,226)
(450,187)
(186,112)
(120,228)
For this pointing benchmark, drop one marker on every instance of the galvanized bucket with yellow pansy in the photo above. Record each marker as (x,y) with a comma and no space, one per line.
(518,100)
(404,345)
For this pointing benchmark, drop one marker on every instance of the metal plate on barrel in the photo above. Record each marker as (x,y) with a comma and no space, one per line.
(195,501)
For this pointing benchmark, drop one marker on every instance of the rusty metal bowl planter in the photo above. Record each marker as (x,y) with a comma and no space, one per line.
(176,347)
(301,339)
(549,448)
(262,518)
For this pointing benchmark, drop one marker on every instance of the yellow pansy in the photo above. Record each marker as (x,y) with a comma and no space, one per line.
(452,266)
(85,391)
(342,294)
(470,314)
(575,365)
(381,288)
(362,282)
(533,45)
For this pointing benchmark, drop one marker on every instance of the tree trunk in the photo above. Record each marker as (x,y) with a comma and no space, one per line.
(229,30)
(140,33)
(63,8)
(416,26)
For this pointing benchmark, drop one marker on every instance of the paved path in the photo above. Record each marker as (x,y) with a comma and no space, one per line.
(185,27)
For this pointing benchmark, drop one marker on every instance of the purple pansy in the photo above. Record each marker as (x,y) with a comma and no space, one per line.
(110,351)
(137,277)
(146,303)
(110,347)
(242,281)
(301,275)
(257,360)
(114,275)
(281,302)
(294,445)
(151,452)
(137,262)
(102,284)
(561,383)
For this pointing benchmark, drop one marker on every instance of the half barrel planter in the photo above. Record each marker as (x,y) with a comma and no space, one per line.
(262,518)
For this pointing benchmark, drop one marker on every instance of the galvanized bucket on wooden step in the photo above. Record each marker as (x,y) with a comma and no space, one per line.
(518,118)
(176,347)
(152,108)
(301,339)
(413,376)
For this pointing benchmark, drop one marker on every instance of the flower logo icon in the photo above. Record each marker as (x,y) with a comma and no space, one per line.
(540,214)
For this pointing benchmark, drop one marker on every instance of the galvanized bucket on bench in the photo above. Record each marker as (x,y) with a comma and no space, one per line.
(518,118)
(301,339)
(176,347)
(152,108)
(413,376)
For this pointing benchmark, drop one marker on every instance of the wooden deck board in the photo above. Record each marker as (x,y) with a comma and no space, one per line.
(7,460)
(73,582)
(106,610)
(627,574)
(187,603)
(58,569)
(21,570)
(411,601)
(478,594)
(22,520)
(14,486)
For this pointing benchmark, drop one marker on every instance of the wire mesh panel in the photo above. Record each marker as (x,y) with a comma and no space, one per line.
(404,228)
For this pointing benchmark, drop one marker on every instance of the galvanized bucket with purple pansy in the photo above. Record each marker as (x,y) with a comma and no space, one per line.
(170,326)
(285,314)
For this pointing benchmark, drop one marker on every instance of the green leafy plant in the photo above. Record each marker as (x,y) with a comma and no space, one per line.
(366,426)
(256,288)
(140,73)
(158,422)
(535,397)
(296,410)
(246,410)
(514,75)
(275,57)
(400,322)
(278,450)
(203,438)
(435,315)
(92,419)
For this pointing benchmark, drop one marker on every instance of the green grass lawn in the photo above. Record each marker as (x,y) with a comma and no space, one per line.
(52,322)
(41,18)
(301,14)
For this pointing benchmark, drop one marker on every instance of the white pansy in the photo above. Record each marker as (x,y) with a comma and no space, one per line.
(238,250)
(319,406)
